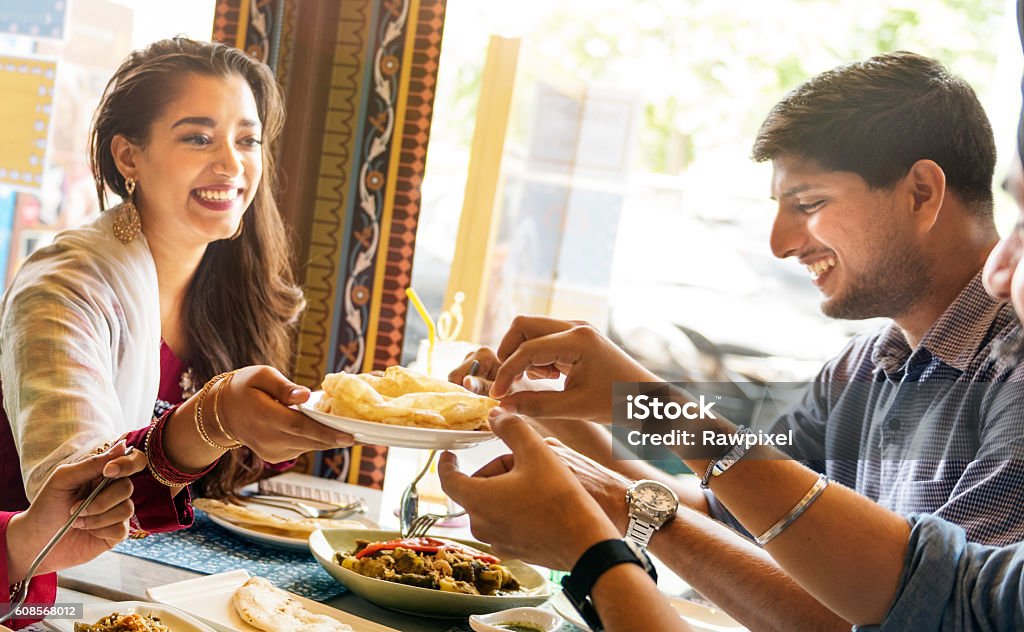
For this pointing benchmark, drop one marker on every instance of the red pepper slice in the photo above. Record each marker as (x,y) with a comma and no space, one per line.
(425,545)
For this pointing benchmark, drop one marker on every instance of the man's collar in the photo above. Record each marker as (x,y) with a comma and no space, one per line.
(955,338)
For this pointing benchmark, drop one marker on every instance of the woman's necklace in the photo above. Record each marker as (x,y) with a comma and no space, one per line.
(188,383)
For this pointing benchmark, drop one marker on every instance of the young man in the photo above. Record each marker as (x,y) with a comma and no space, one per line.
(882,174)
(860,560)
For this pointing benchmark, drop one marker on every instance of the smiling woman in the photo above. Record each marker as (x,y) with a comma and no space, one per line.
(197,172)
(184,283)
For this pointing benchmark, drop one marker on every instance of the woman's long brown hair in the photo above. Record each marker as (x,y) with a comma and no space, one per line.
(242,305)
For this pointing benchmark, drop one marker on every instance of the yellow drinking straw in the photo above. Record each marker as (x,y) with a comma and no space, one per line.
(414,298)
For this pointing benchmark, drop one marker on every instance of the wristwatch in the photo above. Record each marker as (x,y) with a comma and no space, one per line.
(600,557)
(651,504)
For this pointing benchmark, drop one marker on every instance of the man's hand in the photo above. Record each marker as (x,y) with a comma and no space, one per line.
(536,345)
(527,504)
(605,486)
(533,379)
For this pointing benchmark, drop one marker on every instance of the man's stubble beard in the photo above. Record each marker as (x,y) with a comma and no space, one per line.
(898,281)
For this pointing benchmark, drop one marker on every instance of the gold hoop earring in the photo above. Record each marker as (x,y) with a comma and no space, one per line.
(127,223)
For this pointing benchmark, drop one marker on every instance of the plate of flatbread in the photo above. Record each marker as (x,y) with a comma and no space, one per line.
(271,526)
(235,601)
(402,408)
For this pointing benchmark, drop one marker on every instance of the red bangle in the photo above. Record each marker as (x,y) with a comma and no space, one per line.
(159,466)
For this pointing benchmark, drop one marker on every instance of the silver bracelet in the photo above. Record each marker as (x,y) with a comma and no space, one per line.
(727,459)
(794,513)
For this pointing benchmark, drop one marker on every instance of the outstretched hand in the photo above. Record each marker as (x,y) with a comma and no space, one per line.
(541,347)
(527,504)
(254,408)
(487,365)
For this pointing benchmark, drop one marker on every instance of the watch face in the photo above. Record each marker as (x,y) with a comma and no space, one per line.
(655,496)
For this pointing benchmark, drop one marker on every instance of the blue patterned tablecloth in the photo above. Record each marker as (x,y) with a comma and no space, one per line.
(207,548)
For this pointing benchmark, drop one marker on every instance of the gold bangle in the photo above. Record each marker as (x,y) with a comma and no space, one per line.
(198,416)
(216,409)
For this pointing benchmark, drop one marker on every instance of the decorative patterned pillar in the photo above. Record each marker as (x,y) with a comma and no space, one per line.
(357,220)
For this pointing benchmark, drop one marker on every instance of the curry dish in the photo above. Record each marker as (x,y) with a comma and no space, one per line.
(430,563)
(117,622)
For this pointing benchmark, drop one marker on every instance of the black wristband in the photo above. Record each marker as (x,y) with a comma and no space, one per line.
(594,562)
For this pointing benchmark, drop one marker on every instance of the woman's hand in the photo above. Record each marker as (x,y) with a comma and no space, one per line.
(535,347)
(103,524)
(527,504)
(254,408)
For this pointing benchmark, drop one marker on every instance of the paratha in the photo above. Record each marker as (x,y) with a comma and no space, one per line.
(264,606)
(405,398)
(276,525)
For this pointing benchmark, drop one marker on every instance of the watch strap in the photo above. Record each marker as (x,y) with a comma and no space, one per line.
(594,562)
(639,531)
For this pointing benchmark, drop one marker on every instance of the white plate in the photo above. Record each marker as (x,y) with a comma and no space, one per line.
(701,618)
(209,599)
(376,433)
(278,541)
(171,617)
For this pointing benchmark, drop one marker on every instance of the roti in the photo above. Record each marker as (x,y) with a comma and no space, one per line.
(405,398)
(264,606)
(276,525)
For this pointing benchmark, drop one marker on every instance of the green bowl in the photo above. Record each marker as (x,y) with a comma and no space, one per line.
(422,601)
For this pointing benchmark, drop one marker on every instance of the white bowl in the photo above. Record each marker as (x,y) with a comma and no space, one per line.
(535,588)
(542,620)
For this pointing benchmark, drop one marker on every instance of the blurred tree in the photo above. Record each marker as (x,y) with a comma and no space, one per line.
(710,70)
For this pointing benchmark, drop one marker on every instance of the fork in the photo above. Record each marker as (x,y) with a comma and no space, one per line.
(18,599)
(409,506)
(422,524)
(308,511)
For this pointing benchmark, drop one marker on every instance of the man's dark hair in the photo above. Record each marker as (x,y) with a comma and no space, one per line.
(877,117)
